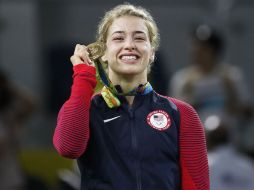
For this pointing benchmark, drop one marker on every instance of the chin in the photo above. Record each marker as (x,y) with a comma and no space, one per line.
(132,72)
(129,73)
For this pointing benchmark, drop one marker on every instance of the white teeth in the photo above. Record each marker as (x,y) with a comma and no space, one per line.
(125,57)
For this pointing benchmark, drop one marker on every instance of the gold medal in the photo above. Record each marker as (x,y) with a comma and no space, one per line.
(96,50)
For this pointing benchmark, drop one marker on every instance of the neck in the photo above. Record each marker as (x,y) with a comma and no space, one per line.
(208,67)
(128,83)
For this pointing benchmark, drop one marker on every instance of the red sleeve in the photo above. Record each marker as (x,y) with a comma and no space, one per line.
(193,152)
(72,131)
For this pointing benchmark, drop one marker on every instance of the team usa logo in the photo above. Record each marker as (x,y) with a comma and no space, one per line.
(159,120)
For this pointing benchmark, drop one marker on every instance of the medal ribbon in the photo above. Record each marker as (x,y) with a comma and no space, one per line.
(112,100)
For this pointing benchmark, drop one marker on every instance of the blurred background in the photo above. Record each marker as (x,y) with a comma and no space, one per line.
(37,37)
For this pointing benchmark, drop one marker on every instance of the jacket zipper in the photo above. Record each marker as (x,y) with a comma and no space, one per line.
(135,148)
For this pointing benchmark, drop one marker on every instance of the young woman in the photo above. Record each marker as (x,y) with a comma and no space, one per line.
(139,140)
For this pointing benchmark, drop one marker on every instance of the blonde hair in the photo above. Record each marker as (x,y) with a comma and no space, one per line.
(128,10)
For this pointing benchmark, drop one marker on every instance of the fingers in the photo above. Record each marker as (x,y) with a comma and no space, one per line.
(80,56)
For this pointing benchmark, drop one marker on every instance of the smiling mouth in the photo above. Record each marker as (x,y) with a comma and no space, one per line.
(129,57)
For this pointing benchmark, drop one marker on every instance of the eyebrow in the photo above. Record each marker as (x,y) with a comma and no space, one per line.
(122,32)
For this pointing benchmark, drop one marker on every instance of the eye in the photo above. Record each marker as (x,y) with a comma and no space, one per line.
(140,38)
(119,38)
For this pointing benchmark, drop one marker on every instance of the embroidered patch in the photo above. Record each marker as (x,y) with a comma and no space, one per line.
(159,120)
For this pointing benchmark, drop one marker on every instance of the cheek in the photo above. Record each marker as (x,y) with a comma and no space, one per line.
(148,53)
(112,51)
(147,48)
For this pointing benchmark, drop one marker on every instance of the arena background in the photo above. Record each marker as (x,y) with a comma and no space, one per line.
(37,38)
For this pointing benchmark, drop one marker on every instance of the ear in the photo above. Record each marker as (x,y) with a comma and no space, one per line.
(152,57)
(104,58)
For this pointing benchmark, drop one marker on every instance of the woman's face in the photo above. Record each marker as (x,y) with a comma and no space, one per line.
(129,50)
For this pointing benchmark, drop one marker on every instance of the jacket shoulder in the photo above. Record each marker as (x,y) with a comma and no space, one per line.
(182,105)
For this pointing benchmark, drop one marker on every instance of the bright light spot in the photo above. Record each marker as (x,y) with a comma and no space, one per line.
(212,122)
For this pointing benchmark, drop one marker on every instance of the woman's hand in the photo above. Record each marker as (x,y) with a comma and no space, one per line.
(81,56)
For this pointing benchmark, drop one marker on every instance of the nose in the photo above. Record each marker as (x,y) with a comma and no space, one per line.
(129,44)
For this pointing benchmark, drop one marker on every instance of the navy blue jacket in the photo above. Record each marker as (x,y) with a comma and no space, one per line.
(125,153)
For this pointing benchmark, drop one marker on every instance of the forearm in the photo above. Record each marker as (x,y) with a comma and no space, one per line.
(72,130)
